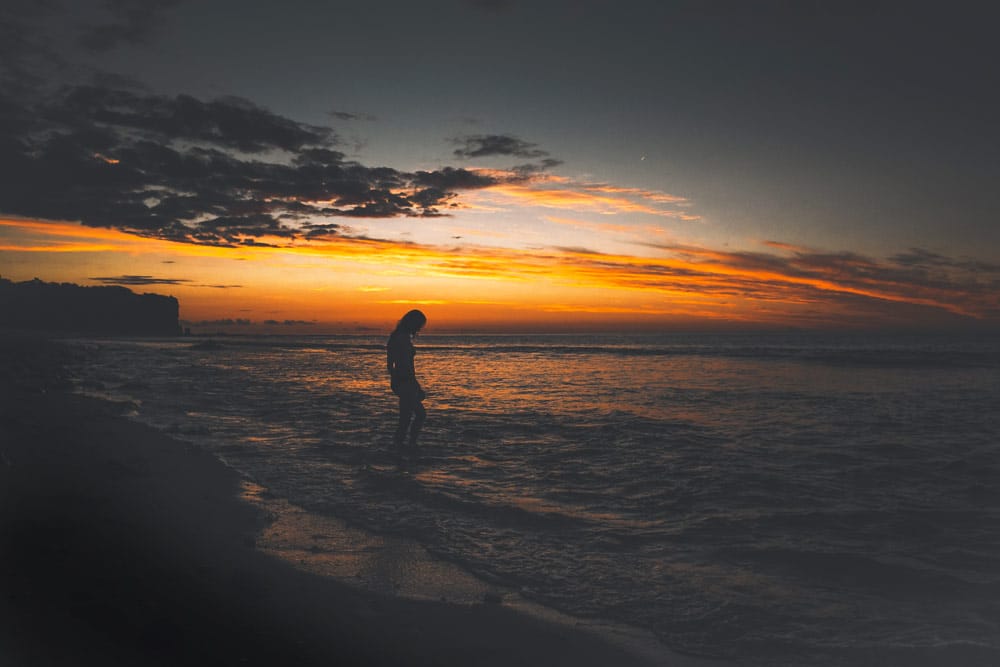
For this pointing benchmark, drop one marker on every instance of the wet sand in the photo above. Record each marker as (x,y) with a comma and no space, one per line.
(121,546)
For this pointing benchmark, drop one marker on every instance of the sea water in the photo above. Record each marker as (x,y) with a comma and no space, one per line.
(774,498)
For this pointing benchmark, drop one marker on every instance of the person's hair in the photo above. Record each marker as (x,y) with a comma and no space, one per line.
(412,321)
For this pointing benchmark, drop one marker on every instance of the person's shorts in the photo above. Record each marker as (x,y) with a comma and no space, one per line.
(408,389)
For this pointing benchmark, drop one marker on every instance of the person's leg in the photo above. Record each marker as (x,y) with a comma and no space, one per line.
(419,415)
(405,412)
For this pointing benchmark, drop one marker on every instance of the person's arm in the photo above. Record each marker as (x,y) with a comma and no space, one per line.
(394,354)
(398,364)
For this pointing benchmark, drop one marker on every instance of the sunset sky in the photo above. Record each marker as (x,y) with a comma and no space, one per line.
(508,165)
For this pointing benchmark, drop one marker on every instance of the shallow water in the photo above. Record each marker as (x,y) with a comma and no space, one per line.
(776,498)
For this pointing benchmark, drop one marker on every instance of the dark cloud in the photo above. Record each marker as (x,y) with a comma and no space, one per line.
(347,115)
(224,172)
(488,145)
(530,169)
(924,259)
(127,22)
(313,230)
(152,280)
(577,250)
(229,122)
(139,280)
(450,178)
(289,322)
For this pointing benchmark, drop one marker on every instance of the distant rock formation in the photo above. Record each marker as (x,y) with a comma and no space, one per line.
(66,307)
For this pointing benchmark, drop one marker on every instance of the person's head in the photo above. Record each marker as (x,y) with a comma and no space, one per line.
(412,322)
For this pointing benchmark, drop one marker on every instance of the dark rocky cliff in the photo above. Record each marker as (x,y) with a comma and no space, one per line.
(38,305)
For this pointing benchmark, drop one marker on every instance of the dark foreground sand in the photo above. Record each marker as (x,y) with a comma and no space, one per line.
(120,546)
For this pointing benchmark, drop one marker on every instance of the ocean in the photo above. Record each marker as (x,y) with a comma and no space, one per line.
(776,499)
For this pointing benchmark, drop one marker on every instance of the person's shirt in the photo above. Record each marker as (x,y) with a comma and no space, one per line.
(399,356)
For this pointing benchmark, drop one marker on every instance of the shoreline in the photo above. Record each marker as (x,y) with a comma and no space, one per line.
(401,567)
(121,545)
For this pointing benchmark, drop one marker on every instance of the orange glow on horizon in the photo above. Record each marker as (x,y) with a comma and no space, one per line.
(348,281)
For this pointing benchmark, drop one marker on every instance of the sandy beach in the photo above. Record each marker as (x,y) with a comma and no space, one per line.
(121,546)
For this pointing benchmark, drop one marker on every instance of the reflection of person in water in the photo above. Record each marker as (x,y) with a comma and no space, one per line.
(403,377)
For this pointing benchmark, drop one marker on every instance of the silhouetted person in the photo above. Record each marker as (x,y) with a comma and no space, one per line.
(403,377)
